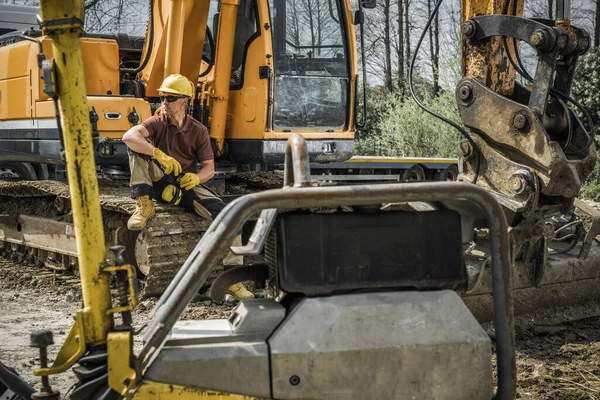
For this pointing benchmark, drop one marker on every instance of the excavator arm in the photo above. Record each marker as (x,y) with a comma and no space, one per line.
(532,151)
(530,144)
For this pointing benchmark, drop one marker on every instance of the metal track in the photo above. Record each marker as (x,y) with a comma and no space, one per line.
(35,223)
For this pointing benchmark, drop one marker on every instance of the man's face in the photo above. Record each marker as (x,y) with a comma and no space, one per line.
(170,107)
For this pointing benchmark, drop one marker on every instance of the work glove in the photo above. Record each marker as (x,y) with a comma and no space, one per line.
(189,180)
(169,163)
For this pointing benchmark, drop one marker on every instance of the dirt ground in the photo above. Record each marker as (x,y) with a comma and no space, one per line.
(555,361)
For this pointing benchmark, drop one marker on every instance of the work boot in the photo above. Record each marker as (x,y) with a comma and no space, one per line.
(240,292)
(144,209)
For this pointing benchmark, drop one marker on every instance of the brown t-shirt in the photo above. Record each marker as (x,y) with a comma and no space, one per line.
(188,144)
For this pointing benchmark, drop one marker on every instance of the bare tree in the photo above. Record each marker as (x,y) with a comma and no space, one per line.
(387,46)
(407,34)
(597,25)
(400,49)
(434,50)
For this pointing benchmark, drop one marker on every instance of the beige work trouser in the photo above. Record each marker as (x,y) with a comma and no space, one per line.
(147,179)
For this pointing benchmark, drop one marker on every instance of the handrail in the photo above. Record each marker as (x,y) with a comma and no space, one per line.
(296,171)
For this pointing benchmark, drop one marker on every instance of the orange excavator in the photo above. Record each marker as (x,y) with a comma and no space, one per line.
(263,71)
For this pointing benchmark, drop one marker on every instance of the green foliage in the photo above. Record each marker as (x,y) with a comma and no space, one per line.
(591,187)
(403,129)
(586,90)
(586,85)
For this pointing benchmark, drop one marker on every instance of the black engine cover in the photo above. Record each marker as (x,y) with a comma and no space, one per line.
(318,254)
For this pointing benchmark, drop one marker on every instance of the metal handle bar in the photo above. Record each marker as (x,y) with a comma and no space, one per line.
(227,224)
(296,171)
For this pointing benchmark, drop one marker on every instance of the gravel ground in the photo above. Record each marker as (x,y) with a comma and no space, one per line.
(560,360)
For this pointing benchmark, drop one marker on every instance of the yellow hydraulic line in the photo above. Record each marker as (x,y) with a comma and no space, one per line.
(174,38)
(223,57)
(63,22)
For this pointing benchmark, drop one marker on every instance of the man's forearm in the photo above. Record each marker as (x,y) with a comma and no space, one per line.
(141,146)
(205,175)
(137,142)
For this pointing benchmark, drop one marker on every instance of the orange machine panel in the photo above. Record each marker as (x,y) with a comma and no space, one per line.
(112,113)
(100,62)
(15,95)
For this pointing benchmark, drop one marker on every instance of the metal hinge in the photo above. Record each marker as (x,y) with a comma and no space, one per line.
(264,72)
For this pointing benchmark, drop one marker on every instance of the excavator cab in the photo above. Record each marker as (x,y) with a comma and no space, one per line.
(364,309)
(311,65)
(277,68)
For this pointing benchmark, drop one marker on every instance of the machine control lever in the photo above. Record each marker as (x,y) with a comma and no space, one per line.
(42,339)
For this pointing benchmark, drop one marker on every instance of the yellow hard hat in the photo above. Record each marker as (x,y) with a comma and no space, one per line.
(177,84)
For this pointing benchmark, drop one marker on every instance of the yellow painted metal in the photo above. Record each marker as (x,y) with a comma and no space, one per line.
(223,59)
(352,47)
(121,376)
(174,38)
(189,30)
(248,106)
(72,349)
(63,22)
(150,390)
(133,299)
(487,61)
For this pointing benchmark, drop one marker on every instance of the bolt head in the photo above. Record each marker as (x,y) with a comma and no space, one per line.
(538,39)
(465,92)
(519,121)
(517,184)
(465,149)
(468,28)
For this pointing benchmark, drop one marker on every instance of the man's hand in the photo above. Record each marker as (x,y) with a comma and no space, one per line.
(169,163)
(189,181)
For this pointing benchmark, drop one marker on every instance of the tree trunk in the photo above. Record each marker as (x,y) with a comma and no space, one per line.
(401,48)
(435,58)
(407,35)
(550,9)
(597,25)
(388,46)
(430,33)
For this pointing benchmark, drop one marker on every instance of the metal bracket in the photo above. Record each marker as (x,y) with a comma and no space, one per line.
(48,76)
(119,347)
(63,23)
(94,120)
(485,26)
(259,234)
(264,72)
(72,350)
(134,291)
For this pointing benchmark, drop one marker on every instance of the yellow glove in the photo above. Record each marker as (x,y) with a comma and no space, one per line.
(169,163)
(189,180)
